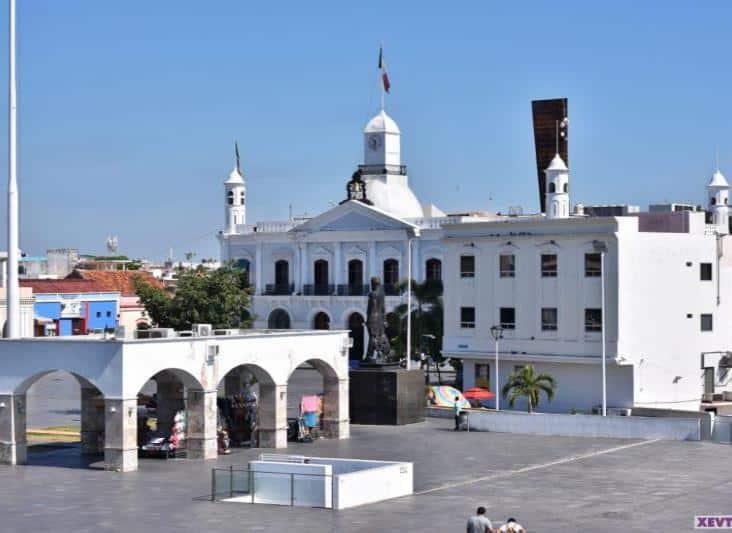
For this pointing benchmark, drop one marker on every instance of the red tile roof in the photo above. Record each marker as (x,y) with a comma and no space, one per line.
(115,280)
(62,286)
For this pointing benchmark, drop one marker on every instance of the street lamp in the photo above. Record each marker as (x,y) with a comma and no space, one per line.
(497,332)
(601,248)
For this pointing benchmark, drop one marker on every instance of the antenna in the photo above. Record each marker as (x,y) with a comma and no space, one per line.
(556,135)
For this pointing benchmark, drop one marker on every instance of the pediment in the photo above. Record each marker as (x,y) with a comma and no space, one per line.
(354,216)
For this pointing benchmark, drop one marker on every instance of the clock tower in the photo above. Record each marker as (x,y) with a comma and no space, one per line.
(381,141)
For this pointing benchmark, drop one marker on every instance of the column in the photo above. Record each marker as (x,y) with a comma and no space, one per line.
(92,421)
(338,259)
(201,425)
(373,270)
(336,424)
(171,399)
(303,266)
(120,435)
(272,416)
(416,263)
(13,446)
(259,280)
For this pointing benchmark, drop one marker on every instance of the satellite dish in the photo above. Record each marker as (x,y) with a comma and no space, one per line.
(112,244)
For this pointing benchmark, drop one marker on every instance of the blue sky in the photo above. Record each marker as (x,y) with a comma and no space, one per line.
(128,110)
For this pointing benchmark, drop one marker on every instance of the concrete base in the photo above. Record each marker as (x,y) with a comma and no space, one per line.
(387,396)
(272,438)
(92,421)
(116,460)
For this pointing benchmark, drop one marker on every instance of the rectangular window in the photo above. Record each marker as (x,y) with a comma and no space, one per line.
(705,271)
(593,266)
(508,317)
(549,319)
(548,265)
(593,320)
(507,265)
(109,313)
(706,322)
(99,314)
(483,375)
(467,266)
(467,317)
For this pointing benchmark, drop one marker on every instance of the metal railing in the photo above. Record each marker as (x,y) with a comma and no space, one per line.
(318,290)
(353,289)
(278,488)
(279,289)
(369,170)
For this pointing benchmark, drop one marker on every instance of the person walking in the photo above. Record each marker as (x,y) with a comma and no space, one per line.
(479,523)
(456,409)
(511,526)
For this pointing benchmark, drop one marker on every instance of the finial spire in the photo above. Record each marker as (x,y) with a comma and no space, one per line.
(236,154)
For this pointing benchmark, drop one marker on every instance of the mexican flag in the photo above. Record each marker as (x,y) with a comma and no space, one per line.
(382,68)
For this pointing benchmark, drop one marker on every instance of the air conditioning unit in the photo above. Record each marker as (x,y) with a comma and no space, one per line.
(201,330)
(226,332)
(155,333)
(727,395)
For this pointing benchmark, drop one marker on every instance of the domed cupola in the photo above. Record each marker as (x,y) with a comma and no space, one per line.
(718,195)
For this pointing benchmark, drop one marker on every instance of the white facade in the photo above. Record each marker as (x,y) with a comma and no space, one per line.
(315,272)
(664,291)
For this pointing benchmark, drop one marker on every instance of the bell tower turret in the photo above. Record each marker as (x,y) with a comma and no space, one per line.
(557,189)
(718,197)
(235,197)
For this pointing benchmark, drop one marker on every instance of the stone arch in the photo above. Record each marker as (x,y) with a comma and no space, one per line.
(334,422)
(317,311)
(321,320)
(279,318)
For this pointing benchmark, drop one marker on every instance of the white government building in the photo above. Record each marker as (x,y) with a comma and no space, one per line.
(314,273)
(668,275)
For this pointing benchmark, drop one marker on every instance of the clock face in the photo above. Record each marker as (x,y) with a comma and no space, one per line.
(374,142)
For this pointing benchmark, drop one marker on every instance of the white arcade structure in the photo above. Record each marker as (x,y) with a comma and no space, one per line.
(188,371)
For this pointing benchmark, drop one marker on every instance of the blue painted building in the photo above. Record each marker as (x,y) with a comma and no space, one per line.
(72,307)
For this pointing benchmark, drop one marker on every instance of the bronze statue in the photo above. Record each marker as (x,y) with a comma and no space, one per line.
(379,348)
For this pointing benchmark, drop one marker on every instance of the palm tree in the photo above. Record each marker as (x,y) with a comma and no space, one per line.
(524,382)
(426,314)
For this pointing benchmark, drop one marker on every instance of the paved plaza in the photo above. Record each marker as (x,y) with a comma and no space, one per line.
(548,483)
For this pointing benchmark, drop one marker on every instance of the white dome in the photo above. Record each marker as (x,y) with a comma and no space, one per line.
(395,199)
(235,177)
(381,123)
(718,180)
(557,164)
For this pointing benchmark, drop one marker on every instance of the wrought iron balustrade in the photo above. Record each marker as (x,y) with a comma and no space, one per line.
(318,290)
(279,289)
(353,289)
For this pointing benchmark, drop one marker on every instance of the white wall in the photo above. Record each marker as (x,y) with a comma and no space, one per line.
(302,485)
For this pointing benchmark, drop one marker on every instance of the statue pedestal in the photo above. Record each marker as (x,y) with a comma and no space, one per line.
(386,395)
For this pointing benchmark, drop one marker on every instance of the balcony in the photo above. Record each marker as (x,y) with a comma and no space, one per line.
(353,290)
(371,170)
(318,290)
(279,289)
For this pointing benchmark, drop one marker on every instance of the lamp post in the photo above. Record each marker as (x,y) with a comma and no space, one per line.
(409,303)
(497,333)
(12,289)
(601,248)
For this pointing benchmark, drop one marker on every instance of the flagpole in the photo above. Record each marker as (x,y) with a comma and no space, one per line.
(12,291)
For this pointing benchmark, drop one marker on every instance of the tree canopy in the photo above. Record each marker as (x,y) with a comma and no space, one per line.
(219,297)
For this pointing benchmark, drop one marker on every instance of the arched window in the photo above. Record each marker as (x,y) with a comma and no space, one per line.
(278,319)
(714,201)
(230,197)
(241,197)
(391,276)
(321,321)
(552,188)
(355,277)
(356,332)
(725,200)
(566,187)
(320,280)
(282,277)
(243,266)
(433,270)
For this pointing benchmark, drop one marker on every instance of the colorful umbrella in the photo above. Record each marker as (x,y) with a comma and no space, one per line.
(478,393)
(444,396)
